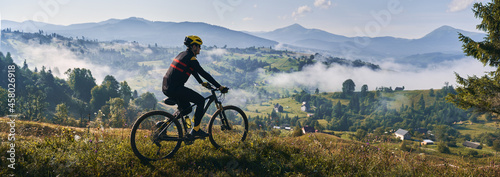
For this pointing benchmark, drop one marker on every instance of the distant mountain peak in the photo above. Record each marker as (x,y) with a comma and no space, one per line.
(443,31)
(446,28)
(137,19)
(294,27)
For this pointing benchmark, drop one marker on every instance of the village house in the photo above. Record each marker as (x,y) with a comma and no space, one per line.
(308,129)
(402,134)
(305,107)
(278,108)
(474,145)
(399,88)
(286,127)
(427,142)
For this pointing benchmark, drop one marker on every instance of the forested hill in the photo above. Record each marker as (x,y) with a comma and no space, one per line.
(127,56)
(52,64)
(142,65)
(426,114)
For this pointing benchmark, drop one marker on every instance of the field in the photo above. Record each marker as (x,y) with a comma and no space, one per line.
(51,150)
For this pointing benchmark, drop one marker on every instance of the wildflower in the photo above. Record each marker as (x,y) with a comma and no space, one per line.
(90,141)
(367,143)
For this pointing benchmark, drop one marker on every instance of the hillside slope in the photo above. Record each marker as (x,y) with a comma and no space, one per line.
(107,153)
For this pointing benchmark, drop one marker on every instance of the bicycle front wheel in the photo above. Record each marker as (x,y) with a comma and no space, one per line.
(228,126)
(155,135)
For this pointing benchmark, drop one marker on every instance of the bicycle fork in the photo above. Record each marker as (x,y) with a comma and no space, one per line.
(223,118)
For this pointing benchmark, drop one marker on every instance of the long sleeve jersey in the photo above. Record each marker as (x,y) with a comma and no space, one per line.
(184,65)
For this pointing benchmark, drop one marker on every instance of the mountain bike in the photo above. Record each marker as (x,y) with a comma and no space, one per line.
(158,135)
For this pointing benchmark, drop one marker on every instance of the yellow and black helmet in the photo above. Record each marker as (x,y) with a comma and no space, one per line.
(192,39)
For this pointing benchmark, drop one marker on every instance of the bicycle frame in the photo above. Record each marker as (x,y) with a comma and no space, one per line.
(211,99)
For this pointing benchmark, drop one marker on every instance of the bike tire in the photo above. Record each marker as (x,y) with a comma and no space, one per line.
(145,136)
(223,138)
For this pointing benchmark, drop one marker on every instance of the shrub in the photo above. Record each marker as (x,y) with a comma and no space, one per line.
(297,131)
(443,148)
(472,153)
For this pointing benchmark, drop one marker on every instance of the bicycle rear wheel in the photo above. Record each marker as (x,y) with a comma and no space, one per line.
(155,135)
(228,127)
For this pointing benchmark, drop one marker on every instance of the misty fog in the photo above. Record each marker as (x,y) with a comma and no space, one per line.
(330,79)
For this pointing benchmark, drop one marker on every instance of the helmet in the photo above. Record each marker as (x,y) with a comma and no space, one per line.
(192,39)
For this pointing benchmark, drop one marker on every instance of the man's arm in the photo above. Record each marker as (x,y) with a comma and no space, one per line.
(197,77)
(198,69)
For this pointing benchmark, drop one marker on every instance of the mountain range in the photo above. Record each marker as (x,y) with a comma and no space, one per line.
(443,41)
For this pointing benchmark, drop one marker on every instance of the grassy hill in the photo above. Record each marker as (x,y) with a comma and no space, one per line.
(292,107)
(43,149)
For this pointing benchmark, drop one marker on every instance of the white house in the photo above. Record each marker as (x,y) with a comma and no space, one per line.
(427,142)
(402,134)
(305,106)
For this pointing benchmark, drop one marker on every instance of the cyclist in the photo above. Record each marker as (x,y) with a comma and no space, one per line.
(183,66)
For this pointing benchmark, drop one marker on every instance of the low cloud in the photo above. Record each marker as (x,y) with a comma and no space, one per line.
(61,59)
(459,5)
(301,11)
(324,4)
(216,52)
(330,79)
(240,97)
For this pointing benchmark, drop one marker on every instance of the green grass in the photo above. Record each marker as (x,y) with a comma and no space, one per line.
(475,129)
(408,97)
(51,150)
(290,107)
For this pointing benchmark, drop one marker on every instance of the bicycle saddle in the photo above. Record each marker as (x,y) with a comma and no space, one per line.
(169,101)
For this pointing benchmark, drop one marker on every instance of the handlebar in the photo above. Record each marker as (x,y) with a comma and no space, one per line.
(210,87)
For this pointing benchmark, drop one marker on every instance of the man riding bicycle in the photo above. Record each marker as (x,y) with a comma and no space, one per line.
(184,65)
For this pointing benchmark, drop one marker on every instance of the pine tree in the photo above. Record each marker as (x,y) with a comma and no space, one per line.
(25,65)
(337,110)
(482,93)
(354,104)
(421,103)
(348,87)
(61,114)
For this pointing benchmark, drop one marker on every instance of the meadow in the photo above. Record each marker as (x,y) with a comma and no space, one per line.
(44,149)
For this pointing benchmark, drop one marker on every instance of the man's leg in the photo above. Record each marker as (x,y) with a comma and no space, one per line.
(187,95)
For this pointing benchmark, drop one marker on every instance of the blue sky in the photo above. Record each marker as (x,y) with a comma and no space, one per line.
(399,18)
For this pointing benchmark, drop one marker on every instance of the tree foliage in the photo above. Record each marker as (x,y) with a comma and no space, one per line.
(61,113)
(348,87)
(482,93)
(146,101)
(81,82)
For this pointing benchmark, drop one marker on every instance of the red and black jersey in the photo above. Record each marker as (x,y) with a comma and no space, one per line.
(183,66)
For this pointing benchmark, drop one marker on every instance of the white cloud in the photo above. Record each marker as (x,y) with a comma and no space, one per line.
(247,19)
(209,55)
(301,11)
(393,75)
(63,59)
(459,5)
(217,52)
(324,4)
